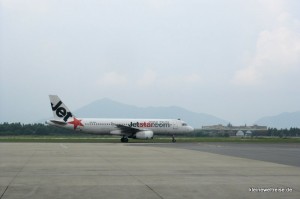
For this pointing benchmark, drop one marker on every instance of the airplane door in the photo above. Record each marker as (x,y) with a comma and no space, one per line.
(175,125)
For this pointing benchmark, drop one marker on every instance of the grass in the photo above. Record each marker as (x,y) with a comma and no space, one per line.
(114,139)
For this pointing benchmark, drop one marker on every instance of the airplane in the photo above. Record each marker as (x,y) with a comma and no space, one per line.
(126,128)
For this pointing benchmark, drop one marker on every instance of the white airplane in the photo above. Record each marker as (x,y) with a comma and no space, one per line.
(127,128)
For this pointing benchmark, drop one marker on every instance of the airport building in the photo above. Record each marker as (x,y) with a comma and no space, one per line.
(236,130)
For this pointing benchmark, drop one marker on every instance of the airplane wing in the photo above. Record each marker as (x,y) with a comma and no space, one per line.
(127,129)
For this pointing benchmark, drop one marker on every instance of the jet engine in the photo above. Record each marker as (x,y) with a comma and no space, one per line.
(144,135)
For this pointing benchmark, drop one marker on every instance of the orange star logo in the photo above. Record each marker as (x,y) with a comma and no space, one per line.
(76,123)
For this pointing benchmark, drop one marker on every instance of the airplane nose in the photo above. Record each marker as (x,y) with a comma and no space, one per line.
(191,128)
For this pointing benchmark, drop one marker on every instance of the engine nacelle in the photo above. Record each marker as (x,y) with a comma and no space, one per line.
(116,132)
(144,135)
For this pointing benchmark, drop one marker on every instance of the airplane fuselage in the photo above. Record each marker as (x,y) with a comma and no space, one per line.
(108,126)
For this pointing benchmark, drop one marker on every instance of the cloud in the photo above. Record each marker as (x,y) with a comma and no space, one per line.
(191,78)
(180,81)
(274,6)
(152,78)
(277,52)
(112,79)
(158,4)
(147,79)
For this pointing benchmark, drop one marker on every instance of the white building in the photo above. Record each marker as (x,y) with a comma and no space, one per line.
(248,133)
(240,134)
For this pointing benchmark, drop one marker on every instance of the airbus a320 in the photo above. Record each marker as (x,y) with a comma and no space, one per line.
(126,128)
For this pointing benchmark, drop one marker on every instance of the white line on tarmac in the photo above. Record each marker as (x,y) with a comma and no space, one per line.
(63,146)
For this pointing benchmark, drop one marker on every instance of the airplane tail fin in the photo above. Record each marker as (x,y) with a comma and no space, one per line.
(59,109)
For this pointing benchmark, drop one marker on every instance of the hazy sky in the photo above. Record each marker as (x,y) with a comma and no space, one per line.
(235,59)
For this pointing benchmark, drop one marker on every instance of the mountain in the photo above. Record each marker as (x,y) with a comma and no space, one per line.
(283,120)
(106,108)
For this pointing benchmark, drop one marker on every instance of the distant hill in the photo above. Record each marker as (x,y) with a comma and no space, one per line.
(106,108)
(283,120)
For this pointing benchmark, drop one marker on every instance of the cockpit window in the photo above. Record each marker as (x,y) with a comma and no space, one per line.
(184,124)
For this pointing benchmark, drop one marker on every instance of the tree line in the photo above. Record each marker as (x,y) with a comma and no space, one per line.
(14,129)
(292,132)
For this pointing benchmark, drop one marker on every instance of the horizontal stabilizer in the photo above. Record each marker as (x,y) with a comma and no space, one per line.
(59,122)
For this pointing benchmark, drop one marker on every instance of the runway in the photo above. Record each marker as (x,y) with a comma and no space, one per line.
(282,153)
(118,170)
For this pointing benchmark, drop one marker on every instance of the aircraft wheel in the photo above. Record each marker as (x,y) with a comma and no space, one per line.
(124,139)
(173,139)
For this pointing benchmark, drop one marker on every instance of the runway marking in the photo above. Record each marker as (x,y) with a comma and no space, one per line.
(18,172)
(135,177)
(63,146)
(4,192)
(152,190)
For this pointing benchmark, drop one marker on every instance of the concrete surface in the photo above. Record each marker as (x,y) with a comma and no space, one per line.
(282,153)
(104,170)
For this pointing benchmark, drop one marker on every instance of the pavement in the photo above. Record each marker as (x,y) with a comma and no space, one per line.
(124,170)
(282,153)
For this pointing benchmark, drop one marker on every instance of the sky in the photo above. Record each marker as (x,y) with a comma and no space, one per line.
(237,60)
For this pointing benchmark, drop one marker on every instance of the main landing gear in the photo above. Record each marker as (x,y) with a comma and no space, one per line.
(173,139)
(124,139)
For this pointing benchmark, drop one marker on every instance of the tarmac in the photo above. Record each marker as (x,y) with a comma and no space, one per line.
(124,170)
(282,153)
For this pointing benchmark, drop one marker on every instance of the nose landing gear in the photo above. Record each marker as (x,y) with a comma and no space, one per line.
(173,139)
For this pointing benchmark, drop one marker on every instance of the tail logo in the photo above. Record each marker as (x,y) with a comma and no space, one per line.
(61,111)
(76,123)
